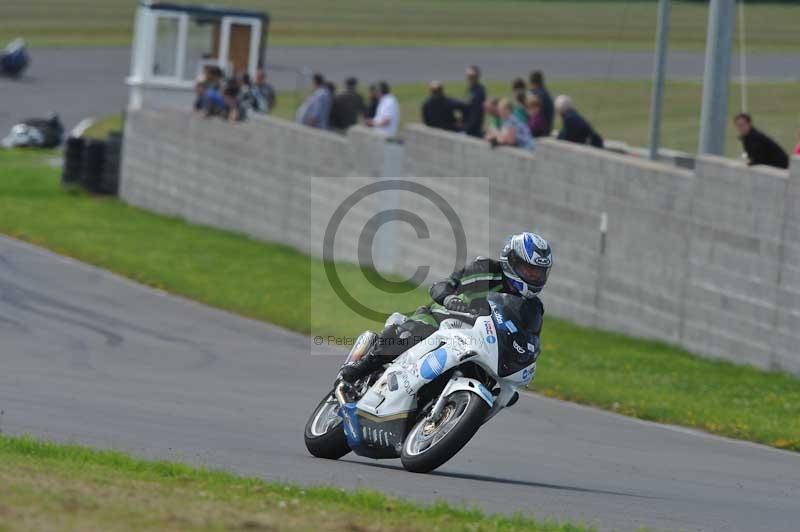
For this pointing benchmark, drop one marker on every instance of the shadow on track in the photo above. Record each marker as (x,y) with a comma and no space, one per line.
(508,481)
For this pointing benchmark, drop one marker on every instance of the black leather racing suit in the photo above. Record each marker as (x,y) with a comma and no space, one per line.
(471,283)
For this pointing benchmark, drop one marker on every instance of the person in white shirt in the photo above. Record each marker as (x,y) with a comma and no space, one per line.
(387,116)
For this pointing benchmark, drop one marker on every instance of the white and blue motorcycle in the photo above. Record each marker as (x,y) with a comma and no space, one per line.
(429,402)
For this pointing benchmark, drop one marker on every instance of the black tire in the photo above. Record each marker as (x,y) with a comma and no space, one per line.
(332,444)
(471,420)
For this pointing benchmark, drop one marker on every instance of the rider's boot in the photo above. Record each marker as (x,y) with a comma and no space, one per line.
(372,360)
(361,368)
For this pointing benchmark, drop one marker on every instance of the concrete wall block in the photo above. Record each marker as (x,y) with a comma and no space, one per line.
(703,341)
(726,234)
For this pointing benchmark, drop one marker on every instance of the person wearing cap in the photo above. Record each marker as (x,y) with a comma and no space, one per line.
(473,106)
(438,110)
(347,107)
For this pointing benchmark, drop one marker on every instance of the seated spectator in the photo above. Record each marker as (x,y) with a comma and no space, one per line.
(438,110)
(260,95)
(233,110)
(492,111)
(347,106)
(513,132)
(538,89)
(536,120)
(574,127)
(387,115)
(316,109)
(520,95)
(760,148)
(372,104)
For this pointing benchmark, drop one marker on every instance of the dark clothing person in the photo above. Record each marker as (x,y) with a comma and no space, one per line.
(439,111)
(347,107)
(761,149)
(578,129)
(472,283)
(548,110)
(372,107)
(473,110)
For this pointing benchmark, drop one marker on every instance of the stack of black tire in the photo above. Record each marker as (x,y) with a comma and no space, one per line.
(93,163)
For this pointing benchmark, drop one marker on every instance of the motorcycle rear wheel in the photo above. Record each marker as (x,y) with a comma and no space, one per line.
(431,444)
(324,432)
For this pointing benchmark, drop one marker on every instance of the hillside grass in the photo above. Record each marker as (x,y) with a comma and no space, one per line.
(271,282)
(628,25)
(48,486)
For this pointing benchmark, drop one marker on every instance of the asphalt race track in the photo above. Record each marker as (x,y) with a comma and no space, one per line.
(89,82)
(88,357)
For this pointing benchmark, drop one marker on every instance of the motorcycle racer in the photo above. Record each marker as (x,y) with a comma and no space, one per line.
(523,269)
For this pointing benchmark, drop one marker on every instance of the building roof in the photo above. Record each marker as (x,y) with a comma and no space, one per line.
(213,11)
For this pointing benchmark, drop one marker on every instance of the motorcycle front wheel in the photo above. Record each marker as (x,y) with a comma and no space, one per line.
(431,443)
(324,434)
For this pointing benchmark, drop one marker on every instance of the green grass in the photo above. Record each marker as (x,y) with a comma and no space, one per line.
(271,282)
(519,23)
(620,110)
(103,126)
(46,486)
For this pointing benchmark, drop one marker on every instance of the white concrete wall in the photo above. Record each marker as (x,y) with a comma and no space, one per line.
(706,259)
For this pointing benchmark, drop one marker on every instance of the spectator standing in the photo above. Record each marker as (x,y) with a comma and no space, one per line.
(347,107)
(760,148)
(514,132)
(574,127)
(387,115)
(261,95)
(539,90)
(316,109)
(438,110)
(520,99)
(536,121)
(372,104)
(473,107)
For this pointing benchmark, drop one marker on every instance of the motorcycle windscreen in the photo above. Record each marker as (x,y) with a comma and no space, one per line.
(518,322)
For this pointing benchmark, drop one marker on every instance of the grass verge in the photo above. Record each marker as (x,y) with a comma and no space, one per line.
(47,486)
(533,23)
(272,282)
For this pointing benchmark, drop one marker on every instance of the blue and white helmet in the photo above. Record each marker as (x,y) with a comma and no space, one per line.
(526,261)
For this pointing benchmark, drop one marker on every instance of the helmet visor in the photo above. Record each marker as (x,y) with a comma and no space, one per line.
(530,273)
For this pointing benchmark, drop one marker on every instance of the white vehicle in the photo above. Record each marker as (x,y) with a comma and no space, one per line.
(429,402)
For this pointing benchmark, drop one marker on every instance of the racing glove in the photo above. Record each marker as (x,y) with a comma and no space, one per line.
(455,303)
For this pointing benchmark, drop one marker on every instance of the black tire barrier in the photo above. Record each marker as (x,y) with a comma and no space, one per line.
(110,182)
(73,161)
(93,162)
